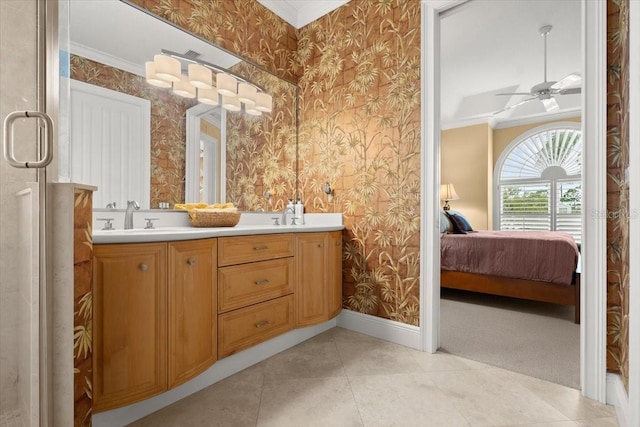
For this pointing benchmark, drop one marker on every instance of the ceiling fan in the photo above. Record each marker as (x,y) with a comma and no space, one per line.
(546,90)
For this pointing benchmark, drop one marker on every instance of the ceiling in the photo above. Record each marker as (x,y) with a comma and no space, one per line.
(301,12)
(493,46)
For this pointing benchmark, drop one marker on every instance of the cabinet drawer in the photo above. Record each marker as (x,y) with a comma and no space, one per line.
(246,284)
(242,249)
(248,326)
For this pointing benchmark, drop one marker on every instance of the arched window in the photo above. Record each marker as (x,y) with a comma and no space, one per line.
(539,181)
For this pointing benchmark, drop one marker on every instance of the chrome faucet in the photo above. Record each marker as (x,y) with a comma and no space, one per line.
(128,215)
(285,211)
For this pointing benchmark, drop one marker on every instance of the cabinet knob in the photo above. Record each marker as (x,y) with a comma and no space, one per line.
(144,267)
(260,248)
(319,245)
(191,261)
(262,282)
(262,323)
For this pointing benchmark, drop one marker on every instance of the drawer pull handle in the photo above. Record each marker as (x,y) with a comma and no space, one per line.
(260,248)
(144,267)
(191,261)
(262,282)
(262,323)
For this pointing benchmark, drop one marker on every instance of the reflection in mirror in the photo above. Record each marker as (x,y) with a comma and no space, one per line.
(206,154)
(260,154)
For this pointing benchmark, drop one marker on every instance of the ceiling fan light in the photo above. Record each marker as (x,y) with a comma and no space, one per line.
(227,84)
(200,76)
(183,88)
(247,94)
(152,78)
(550,104)
(230,103)
(167,68)
(208,96)
(264,102)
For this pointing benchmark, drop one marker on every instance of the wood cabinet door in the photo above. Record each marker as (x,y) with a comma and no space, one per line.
(334,286)
(311,267)
(192,309)
(129,326)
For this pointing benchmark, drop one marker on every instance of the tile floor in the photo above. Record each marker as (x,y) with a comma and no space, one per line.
(343,378)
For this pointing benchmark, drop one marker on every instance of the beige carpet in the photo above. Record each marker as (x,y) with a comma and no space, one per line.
(535,339)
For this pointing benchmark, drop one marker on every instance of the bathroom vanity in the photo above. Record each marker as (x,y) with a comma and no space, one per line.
(170,303)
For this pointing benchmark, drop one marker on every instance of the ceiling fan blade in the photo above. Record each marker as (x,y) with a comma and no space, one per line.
(514,93)
(570,91)
(550,104)
(515,105)
(573,79)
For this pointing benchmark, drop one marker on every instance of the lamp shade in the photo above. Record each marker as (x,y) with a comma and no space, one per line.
(227,84)
(247,94)
(252,111)
(200,76)
(208,96)
(167,68)
(448,192)
(152,78)
(264,102)
(183,88)
(230,103)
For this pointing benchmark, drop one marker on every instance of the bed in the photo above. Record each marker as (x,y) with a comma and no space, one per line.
(531,265)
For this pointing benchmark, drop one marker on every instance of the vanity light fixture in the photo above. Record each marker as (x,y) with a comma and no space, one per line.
(227,84)
(264,102)
(230,103)
(183,88)
(200,76)
(247,94)
(167,68)
(230,90)
(152,78)
(208,96)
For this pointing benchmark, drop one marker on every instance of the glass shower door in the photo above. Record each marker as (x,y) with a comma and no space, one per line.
(27,141)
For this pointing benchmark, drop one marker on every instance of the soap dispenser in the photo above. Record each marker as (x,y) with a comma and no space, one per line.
(299,210)
(290,212)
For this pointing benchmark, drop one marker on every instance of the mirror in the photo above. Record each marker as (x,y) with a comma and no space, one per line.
(110,41)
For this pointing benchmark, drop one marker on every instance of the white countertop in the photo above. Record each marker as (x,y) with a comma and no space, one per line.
(250,224)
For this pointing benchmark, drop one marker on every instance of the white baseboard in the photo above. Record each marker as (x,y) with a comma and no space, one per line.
(385,329)
(219,371)
(618,397)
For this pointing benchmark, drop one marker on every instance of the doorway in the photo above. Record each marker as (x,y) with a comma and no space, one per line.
(593,318)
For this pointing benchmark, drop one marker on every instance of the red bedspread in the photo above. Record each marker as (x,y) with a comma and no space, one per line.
(550,256)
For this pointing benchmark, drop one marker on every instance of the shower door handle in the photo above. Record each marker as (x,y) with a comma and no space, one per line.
(45,157)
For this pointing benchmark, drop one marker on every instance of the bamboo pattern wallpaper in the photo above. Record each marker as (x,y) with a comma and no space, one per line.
(360,132)
(83,307)
(618,188)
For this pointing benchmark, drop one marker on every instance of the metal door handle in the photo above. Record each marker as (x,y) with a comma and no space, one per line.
(47,155)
